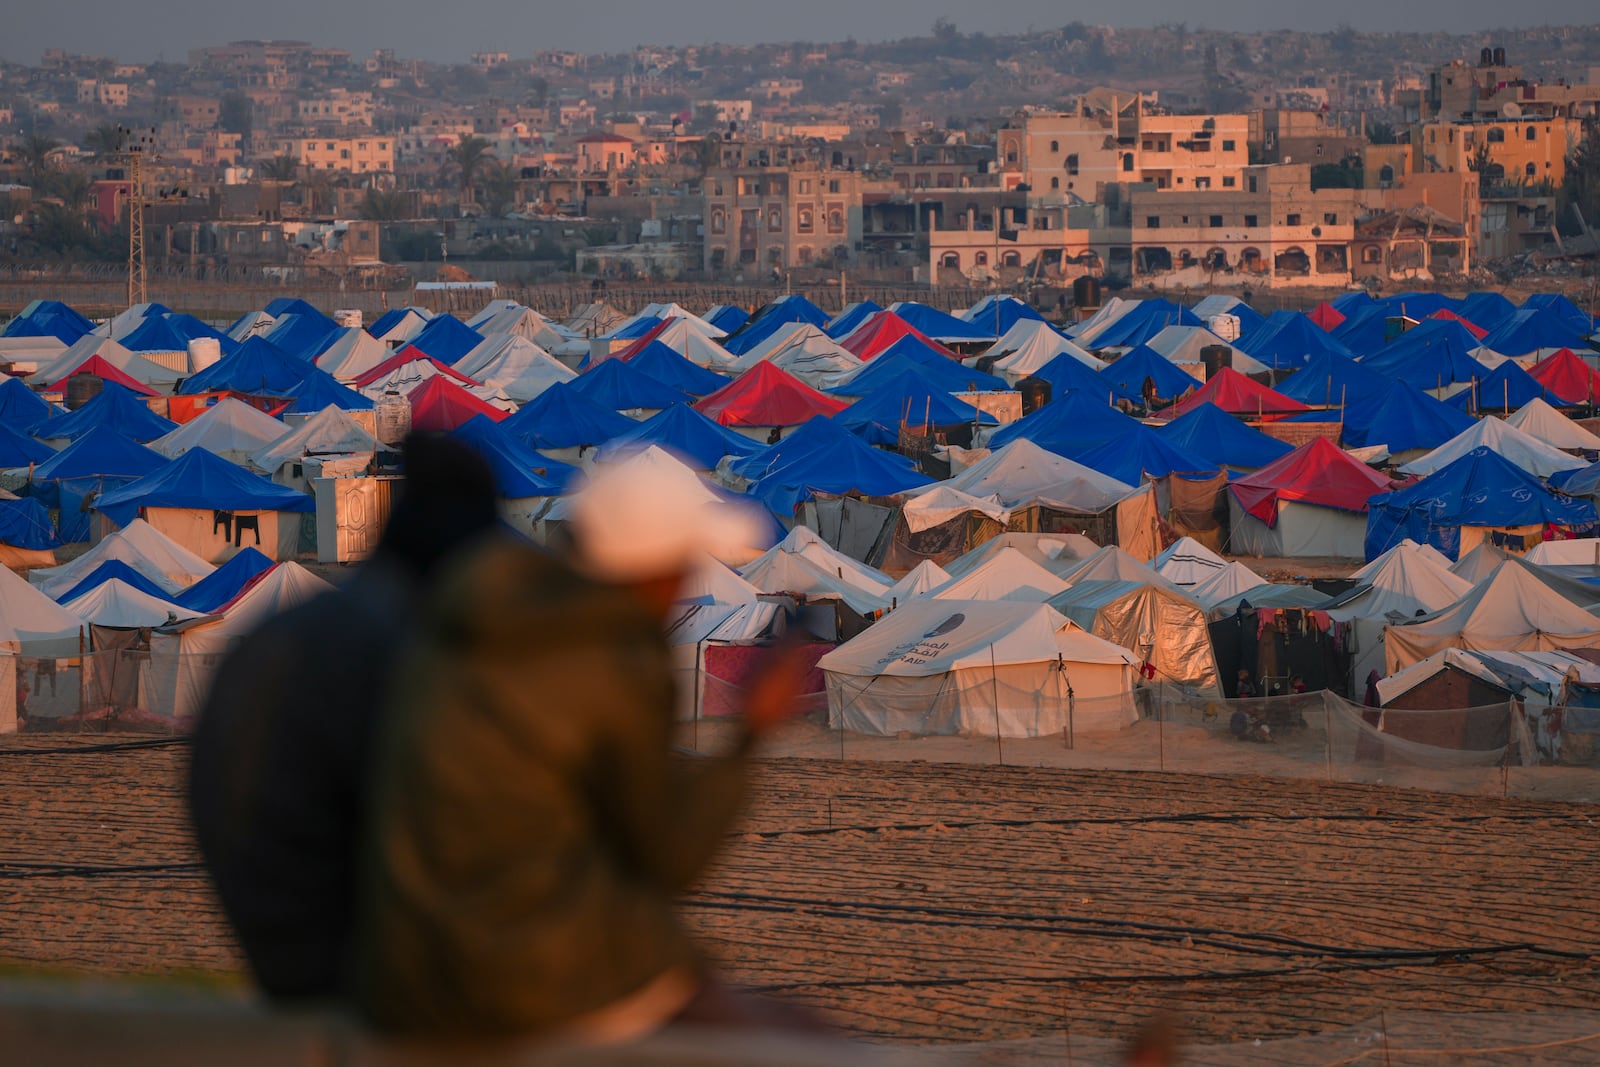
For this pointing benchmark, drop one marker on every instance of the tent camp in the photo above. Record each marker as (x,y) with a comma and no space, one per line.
(32,624)
(939,524)
(1512,609)
(1540,420)
(139,545)
(515,367)
(231,429)
(1187,562)
(1163,627)
(1006,575)
(978,668)
(1473,499)
(211,507)
(1312,502)
(765,399)
(1528,452)
(1403,583)
(330,432)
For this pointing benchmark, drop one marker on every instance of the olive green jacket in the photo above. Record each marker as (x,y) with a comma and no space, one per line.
(530,822)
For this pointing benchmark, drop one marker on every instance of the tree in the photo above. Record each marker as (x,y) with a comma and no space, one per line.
(35,153)
(499,188)
(1382,133)
(1580,189)
(465,159)
(282,168)
(235,114)
(383,205)
(104,140)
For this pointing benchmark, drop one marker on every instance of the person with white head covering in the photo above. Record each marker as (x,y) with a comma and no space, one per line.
(532,824)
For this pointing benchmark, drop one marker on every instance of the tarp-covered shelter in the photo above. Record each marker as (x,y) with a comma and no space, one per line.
(1163,627)
(1212,434)
(1312,502)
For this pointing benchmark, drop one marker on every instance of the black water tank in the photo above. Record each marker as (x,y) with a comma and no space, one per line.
(1499,57)
(1215,357)
(1035,393)
(985,364)
(82,388)
(1086,291)
(1486,57)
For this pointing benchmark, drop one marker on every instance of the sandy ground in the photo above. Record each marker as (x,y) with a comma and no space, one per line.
(914,899)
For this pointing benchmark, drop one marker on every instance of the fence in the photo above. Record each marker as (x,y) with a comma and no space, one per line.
(116,690)
(1487,751)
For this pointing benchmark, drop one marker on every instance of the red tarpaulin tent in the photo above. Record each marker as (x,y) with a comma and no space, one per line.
(767,396)
(409,354)
(1471,327)
(440,404)
(1317,472)
(1568,376)
(1237,395)
(882,330)
(1325,315)
(100,368)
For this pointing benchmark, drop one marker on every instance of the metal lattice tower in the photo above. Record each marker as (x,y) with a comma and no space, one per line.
(136,275)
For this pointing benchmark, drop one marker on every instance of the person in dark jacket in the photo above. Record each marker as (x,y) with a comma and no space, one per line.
(278,778)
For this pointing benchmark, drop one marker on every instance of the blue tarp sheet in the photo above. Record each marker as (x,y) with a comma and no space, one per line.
(1144,322)
(116,568)
(259,368)
(1532,328)
(1069,425)
(115,408)
(833,460)
(200,479)
(1289,339)
(684,430)
(913,397)
(771,318)
(910,356)
(517,468)
(1505,388)
(620,386)
(226,582)
(1143,451)
(1329,380)
(1127,374)
(1482,488)
(21,408)
(26,524)
(664,364)
(1218,437)
(1403,418)
(846,322)
(942,326)
(446,338)
(561,417)
(1431,355)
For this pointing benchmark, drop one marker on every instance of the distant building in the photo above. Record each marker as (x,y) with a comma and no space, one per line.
(369,154)
(760,219)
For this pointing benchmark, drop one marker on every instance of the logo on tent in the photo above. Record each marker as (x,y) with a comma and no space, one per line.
(953,622)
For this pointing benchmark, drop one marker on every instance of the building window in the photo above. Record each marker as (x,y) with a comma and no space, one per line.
(1153,222)
(1227,146)
(1251,183)
(1532,134)
(1055,183)
(1072,163)
(1127,163)
(719,221)
(1291,220)
(1011,259)
(1201,183)
(1330,218)
(1055,146)
(981,259)
(1371,254)
(774,221)
(1216,221)
(1530,170)
(1249,222)
(835,220)
(804,220)
(1386,173)
(805,186)
(1495,135)
(951,259)
(1228,183)
(833,185)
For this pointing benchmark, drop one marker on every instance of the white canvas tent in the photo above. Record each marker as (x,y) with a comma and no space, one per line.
(1007,575)
(184,658)
(805,352)
(1526,451)
(1513,610)
(923,578)
(1032,344)
(1187,562)
(1302,530)
(1406,546)
(1539,420)
(1402,582)
(117,605)
(1182,346)
(160,378)
(1111,564)
(31,624)
(330,432)
(803,541)
(978,668)
(139,545)
(405,327)
(514,367)
(506,317)
(1230,582)
(230,428)
(352,354)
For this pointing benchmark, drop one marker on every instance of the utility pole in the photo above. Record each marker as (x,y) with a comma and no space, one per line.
(134,146)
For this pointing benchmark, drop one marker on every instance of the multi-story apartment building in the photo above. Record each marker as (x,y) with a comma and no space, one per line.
(1062,156)
(1520,152)
(1494,89)
(781,217)
(337,107)
(367,153)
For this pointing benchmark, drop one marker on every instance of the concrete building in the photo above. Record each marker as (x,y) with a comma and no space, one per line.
(1515,152)
(364,154)
(781,217)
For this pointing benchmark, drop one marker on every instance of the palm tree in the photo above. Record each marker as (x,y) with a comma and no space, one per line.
(279,168)
(383,205)
(466,158)
(35,153)
(499,188)
(103,140)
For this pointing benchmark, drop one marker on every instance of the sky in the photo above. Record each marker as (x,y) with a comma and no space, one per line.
(450,31)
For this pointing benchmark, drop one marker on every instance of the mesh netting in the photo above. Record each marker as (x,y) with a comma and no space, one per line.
(117,689)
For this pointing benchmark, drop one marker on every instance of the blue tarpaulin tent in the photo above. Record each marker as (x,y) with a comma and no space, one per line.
(683,430)
(294,305)
(302,336)
(115,568)
(834,461)
(1067,374)
(1127,373)
(1506,388)
(519,471)
(778,315)
(942,326)
(1402,419)
(259,368)
(1530,329)
(387,321)
(48,318)
(1143,451)
(617,385)
(1330,380)
(910,356)
(322,390)
(1482,488)
(21,408)
(446,338)
(1486,310)
(727,317)
(26,524)
(1288,339)
(913,398)
(223,585)
(20,450)
(561,417)
(171,332)
(1068,426)
(200,479)
(1219,438)
(664,364)
(1364,332)
(1432,355)
(1143,322)
(101,459)
(1563,307)
(845,323)
(1000,313)
(115,408)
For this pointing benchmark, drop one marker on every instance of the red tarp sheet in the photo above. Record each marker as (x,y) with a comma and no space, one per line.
(408,354)
(100,368)
(1325,315)
(440,404)
(1237,395)
(766,395)
(1317,472)
(882,330)
(1568,376)
(1471,327)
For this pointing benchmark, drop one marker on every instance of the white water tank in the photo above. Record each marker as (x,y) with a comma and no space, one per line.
(1225,327)
(203,352)
(347,317)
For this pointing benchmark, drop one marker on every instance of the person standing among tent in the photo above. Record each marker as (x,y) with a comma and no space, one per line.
(278,775)
(532,824)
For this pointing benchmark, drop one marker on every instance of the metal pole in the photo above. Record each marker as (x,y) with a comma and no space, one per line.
(994,690)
